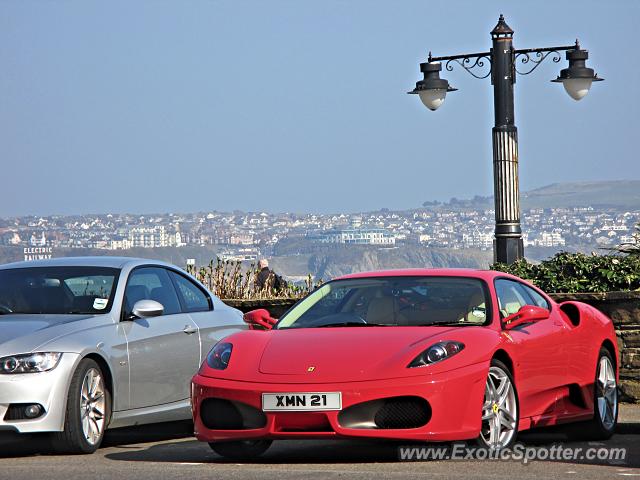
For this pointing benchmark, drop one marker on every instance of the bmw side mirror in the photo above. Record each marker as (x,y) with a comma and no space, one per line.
(259,319)
(147,309)
(526,314)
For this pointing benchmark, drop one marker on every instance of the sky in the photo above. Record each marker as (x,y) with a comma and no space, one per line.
(293,106)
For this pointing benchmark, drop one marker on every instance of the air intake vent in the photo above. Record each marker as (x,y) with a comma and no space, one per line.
(220,414)
(387,413)
(572,311)
(403,412)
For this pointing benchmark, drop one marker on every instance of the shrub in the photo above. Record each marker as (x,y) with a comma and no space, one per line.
(577,272)
(228,279)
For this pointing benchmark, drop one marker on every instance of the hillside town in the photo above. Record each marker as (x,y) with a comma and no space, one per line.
(244,235)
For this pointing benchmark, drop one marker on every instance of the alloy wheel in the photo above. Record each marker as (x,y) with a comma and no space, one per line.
(92,406)
(607,393)
(500,410)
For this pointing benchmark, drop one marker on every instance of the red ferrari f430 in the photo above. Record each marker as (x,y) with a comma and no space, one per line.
(416,355)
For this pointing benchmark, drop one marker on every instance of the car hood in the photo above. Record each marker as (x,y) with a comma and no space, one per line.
(21,333)
(318,355)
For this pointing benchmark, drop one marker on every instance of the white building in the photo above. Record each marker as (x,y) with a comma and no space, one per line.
(148,237)
(364,236)
(478,239)
(550,239)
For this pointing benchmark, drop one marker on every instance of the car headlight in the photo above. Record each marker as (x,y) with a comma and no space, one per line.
(219,356)
(30,362)
(436,353)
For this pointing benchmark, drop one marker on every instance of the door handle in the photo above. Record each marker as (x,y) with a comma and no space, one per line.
(188,329)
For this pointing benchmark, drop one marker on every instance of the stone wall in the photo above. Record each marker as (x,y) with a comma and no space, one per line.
(622,307)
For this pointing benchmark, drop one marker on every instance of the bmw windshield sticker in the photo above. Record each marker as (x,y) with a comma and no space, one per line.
(100,303)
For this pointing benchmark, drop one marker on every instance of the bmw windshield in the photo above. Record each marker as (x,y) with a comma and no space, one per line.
(57,290)
(392,301)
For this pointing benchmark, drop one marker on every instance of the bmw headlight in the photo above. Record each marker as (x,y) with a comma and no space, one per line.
(436,353)
(30,362)
(219,356)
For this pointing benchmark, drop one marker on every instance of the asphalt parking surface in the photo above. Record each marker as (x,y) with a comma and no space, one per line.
(167,452)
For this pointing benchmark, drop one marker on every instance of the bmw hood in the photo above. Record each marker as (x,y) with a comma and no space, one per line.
(24,333)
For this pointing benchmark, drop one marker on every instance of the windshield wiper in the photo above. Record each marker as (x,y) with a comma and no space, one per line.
(457,324)
(351,324)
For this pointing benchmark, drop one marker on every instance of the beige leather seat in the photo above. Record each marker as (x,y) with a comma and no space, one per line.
(476,305)
(383,310)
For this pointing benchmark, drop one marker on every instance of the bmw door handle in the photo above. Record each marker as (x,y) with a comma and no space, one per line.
(188,329)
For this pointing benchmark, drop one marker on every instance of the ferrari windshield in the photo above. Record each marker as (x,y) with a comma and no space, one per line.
(57,290)
(397,301)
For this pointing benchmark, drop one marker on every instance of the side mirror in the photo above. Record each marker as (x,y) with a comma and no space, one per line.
(147,309)
(526,314)
(259,319)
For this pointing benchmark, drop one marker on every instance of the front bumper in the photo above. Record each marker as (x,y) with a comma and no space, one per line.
(48,389)
(455,398)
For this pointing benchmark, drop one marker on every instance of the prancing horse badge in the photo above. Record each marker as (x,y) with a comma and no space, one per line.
(311,369)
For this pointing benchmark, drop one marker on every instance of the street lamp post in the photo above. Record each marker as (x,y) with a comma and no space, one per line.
(502,61)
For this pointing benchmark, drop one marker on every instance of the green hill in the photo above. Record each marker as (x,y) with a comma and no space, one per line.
(618,194)
(621,194)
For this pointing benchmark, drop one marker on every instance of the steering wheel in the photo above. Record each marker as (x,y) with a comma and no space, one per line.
(421,306)
(5,309)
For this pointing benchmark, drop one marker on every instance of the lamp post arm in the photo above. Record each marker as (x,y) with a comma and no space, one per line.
(458,57)
(536,56)
(548,49)
(468,61)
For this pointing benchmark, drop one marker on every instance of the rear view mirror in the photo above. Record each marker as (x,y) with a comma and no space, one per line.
(259,319)
(147,309)
(526,314)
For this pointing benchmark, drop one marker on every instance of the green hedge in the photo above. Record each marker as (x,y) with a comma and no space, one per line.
(577,272)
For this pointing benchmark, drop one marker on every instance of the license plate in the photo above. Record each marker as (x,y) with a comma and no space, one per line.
(301,402)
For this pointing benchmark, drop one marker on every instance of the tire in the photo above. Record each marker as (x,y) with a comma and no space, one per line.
(500,410)
(241,450)
(85,421)
(605,399)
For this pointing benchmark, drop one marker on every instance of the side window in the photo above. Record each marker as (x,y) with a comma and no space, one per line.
(510,297)
(538,300)
(151,283)
(192,297)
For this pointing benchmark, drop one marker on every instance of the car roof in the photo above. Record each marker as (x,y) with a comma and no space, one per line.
(430,272)
(89,261)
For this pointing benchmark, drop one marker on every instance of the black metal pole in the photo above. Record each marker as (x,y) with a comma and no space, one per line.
(508,245)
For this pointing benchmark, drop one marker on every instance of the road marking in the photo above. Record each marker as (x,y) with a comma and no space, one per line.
(189,463)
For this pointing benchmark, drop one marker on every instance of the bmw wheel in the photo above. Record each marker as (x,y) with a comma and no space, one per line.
(88,410)
(500,412)
(241,450)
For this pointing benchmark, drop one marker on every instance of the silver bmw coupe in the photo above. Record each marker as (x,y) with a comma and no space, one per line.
(93,343)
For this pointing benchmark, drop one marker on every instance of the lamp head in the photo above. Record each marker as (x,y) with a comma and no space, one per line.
(432,89)
(577,78)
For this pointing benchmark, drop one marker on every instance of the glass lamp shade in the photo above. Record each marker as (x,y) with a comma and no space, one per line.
(577,88)
(433,97)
